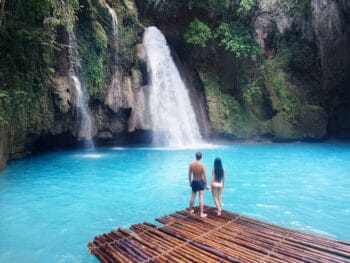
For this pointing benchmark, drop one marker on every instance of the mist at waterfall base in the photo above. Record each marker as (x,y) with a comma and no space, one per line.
(53,204)
(174,122)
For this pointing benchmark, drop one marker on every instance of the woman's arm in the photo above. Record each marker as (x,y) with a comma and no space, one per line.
(212,177)
(223,178)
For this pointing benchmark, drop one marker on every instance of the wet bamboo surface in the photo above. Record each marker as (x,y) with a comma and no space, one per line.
(231,237)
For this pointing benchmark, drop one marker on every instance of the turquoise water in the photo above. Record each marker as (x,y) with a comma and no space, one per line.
(52,205)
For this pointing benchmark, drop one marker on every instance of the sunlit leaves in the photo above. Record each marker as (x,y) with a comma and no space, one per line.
(198,33)
(238,39)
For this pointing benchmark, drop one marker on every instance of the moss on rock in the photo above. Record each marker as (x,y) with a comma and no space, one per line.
(226,115)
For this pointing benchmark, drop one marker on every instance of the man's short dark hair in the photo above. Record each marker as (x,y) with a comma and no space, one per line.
(198,155)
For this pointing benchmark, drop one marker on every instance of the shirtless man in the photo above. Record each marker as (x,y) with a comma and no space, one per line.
(199,182)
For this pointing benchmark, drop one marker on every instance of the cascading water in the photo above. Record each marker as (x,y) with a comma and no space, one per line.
(174,123)
(114,21)
(114,94)
(82,98)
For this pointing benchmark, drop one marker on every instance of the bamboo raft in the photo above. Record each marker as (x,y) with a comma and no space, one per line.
(231,237)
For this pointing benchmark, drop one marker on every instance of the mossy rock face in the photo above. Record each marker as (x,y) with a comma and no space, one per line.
(227,117)
(314,121)
(311,125)
(257,101)
(283,129)
(100,36)
(295,119)
(62,90)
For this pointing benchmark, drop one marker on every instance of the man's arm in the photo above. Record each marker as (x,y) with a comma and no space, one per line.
(189,174)
(205,177)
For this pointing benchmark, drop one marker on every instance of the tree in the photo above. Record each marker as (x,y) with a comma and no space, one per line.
(198,33)
(238,39)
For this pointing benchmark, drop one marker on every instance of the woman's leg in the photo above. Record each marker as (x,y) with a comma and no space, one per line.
(219,199)
(214,193)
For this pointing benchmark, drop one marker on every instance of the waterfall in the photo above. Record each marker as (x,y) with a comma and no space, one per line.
(114,21)
(114,93)
(82,97)
(174,122)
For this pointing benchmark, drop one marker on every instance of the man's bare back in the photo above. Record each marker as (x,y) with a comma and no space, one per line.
(197,169)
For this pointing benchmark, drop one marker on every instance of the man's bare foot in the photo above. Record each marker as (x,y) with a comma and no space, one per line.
(219,213)
(203,215)
(191,211)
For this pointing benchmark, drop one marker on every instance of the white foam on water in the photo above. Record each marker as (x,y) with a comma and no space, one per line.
(91,155)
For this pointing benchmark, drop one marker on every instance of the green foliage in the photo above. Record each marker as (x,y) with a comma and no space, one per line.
(100,35)
(296,54)
(214,7)
(222,108)
(96,74)
(282,98)
(245,6)
(250,90)
(93,47)
(297,7)
(198,33)
(238,39)
(63,14)
(28,41)
(128,37)
(226,114)
(166,7)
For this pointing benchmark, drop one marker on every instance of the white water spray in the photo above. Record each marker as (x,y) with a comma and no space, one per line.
(114,20)
(174,123)
(82,97)
(114,99)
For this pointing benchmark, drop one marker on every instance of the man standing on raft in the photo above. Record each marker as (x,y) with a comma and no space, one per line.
(199,182)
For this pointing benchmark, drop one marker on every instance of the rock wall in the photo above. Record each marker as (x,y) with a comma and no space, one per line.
(325,23)
(332,33)
(110,74)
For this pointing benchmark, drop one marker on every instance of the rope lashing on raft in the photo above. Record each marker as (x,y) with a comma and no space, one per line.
(189,241)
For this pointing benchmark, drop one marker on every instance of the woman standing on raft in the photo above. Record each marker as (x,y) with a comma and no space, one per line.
(217,183)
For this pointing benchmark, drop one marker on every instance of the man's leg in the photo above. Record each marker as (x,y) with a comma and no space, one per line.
(193,197)
(201,203)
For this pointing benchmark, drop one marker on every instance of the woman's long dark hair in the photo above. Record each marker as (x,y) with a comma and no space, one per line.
(218,170)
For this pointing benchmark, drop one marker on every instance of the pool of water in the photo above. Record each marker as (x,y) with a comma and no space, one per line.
(53,204)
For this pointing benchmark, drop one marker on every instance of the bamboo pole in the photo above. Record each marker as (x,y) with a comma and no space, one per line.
(195,251)
(186,238)
(114,255)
